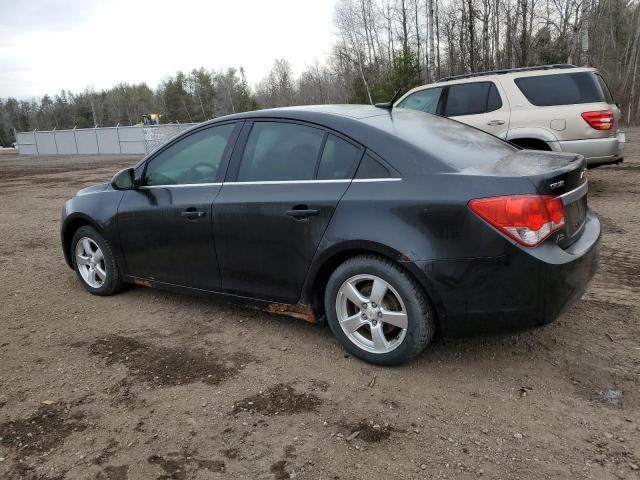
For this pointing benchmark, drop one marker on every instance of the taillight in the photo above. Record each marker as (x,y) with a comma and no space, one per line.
(600,120)
(528,219)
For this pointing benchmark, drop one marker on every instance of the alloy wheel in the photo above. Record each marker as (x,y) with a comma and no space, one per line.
(90,262)
(371,313)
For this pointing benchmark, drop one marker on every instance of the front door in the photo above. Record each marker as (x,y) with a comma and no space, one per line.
(270,217)
(165,224)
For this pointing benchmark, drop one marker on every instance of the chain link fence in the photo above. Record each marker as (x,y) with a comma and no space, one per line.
(116,140)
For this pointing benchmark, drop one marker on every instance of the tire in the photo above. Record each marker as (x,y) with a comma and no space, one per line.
(90,269)
(368,274)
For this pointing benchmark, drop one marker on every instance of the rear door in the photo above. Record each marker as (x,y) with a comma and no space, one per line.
(277,200)
(480,105)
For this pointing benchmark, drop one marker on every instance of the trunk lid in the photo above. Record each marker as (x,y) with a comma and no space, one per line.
(556,174)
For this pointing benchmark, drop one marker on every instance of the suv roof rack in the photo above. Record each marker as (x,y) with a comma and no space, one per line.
(508,70)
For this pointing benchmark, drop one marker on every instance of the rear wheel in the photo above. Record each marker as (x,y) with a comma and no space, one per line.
(378,311)
(94,262)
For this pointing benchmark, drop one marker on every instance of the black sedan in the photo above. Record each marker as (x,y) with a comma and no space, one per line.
(391,225)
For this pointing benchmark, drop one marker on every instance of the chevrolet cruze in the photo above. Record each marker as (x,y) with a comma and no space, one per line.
(391,225)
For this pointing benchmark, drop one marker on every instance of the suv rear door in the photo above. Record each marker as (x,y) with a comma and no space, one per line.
(480,105)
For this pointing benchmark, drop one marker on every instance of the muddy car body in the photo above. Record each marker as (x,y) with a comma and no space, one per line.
(391,235)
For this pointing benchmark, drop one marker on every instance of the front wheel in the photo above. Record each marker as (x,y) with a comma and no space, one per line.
(94,262)
(378,311)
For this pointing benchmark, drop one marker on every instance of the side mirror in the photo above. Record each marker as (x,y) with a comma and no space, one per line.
(124,180)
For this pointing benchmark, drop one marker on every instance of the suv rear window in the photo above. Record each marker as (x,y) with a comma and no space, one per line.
(561,89)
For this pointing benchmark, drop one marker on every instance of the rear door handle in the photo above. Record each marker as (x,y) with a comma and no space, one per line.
(300,212)
(495,122)
(192,213)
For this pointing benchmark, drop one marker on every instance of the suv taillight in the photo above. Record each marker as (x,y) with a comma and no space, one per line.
(528,219)
(600,120)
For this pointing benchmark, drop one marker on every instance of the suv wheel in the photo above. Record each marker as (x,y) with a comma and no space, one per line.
(378,311)
(94,262)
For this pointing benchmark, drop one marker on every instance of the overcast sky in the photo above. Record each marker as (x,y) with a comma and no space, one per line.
(48,45)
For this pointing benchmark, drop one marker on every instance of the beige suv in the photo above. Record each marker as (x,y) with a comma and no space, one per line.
(554,107)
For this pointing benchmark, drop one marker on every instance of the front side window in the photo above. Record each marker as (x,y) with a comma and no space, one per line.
(423,101)
(338,160)
(191,160)
(472,99)
(561,89)
(278,151)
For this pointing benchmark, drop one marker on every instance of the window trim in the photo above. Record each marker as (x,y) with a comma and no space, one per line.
(224,161)
(278,182)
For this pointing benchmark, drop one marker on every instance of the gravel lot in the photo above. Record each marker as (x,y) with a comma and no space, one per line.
(148,384)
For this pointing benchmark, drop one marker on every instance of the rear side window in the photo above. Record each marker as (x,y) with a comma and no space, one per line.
(423,101)
(561,89)
(494,102)
(371,168)
(338,160)
(280,151)
(472,99)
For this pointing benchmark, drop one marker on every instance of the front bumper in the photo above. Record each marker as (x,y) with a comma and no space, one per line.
(522,289)
(597,151)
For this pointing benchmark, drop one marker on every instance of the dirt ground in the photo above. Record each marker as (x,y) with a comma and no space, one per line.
(147,384)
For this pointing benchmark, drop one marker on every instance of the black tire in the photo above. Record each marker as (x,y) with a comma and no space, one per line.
(421,324)
(112,283)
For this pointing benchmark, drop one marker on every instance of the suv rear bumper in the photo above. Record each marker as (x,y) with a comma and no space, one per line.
(596,151)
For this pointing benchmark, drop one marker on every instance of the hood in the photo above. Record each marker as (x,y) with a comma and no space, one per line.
(93,189)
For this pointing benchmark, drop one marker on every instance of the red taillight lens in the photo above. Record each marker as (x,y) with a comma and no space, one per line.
(528,219)
(600,120)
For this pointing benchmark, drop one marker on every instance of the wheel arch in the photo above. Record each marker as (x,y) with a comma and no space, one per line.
(531,143)
(533,134)
(324,266)
(70,226)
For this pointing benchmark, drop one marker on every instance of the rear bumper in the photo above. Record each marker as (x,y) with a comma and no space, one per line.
(522,289)
(597,151)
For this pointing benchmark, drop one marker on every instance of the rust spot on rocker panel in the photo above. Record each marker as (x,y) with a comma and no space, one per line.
(141,281)
(303,312)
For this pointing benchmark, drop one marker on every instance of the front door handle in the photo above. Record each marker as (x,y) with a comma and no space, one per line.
(300,212)
(192,213)
(495,122)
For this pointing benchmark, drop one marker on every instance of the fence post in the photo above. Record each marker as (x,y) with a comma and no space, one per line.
(55,142)
(75,140)
(35,141)
(118,135)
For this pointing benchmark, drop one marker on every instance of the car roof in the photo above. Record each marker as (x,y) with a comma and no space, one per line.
(493,76)
(409,140)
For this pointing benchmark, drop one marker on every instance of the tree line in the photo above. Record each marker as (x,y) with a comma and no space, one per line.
(381,45)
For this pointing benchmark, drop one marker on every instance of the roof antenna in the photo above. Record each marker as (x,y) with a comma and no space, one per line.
(389,105)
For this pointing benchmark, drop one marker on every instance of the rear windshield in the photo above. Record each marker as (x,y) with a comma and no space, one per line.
(562,89)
